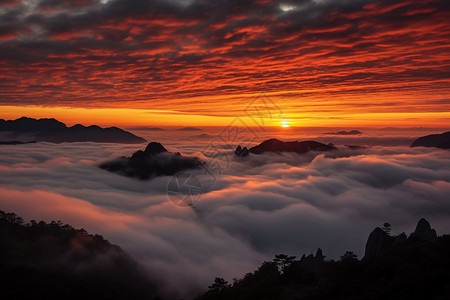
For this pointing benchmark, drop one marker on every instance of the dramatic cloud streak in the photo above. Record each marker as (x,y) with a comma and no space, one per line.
(261,206)
(328,54)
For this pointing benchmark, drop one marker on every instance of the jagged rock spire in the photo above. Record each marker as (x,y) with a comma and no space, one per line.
(424,232)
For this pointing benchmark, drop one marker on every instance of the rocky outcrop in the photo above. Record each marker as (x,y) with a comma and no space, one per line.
(434,140)
(424,232)
(154,148)
(277,146)
(400,239)
(377,241)
(154,161)
(311,262)
(241,152)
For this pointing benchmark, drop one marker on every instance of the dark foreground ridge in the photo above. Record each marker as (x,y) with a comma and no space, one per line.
(277,146)
(42,260)
(154,161)
(434,140)
(394,267)
(51,130)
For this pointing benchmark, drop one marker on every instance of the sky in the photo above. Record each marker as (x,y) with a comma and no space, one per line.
(191,62)
(293,70)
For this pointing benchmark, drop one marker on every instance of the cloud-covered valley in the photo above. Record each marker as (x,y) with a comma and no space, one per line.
(260,206)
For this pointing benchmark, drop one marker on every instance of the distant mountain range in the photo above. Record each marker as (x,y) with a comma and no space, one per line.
(350,132)
(434,140)
(50,130)
(188,128)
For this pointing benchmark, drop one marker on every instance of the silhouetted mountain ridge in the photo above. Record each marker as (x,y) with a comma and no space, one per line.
(394,267)
(433,140)
(50,130)
(41,260)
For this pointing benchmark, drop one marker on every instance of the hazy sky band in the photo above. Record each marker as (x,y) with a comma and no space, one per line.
(312,57)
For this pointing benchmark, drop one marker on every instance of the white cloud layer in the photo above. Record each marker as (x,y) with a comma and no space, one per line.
(261,206)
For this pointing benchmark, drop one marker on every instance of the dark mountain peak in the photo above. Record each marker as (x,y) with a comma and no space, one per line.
(275,145)
(424,232)
(311,262)
(319,253)
(154,148)
(241,152)
(154,161)
(423,224)
(433,140)
(377,241)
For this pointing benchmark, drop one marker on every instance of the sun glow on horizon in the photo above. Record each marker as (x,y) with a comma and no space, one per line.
(129,117)
(285,124)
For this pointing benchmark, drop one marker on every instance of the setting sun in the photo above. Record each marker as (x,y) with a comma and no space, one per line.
(285,124)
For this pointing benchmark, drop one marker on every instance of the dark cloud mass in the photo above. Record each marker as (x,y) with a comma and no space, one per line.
(97,52)
(260,206)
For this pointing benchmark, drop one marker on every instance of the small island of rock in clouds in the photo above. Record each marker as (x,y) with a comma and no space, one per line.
(170,150)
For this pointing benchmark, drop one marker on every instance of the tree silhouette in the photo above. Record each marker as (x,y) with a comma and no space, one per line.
(219,284)
(349,255)
(387,228)
(283,261)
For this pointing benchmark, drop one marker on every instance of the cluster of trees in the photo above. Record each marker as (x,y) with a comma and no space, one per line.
(410,270)
(13,219)
(54,260)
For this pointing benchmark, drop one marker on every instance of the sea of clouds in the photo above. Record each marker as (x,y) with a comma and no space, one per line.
(259,206)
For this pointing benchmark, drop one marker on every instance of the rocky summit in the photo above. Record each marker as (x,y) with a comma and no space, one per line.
(424,232)
(154,161)
(379,239)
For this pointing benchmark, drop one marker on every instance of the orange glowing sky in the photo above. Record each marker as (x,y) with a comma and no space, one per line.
(175,62)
